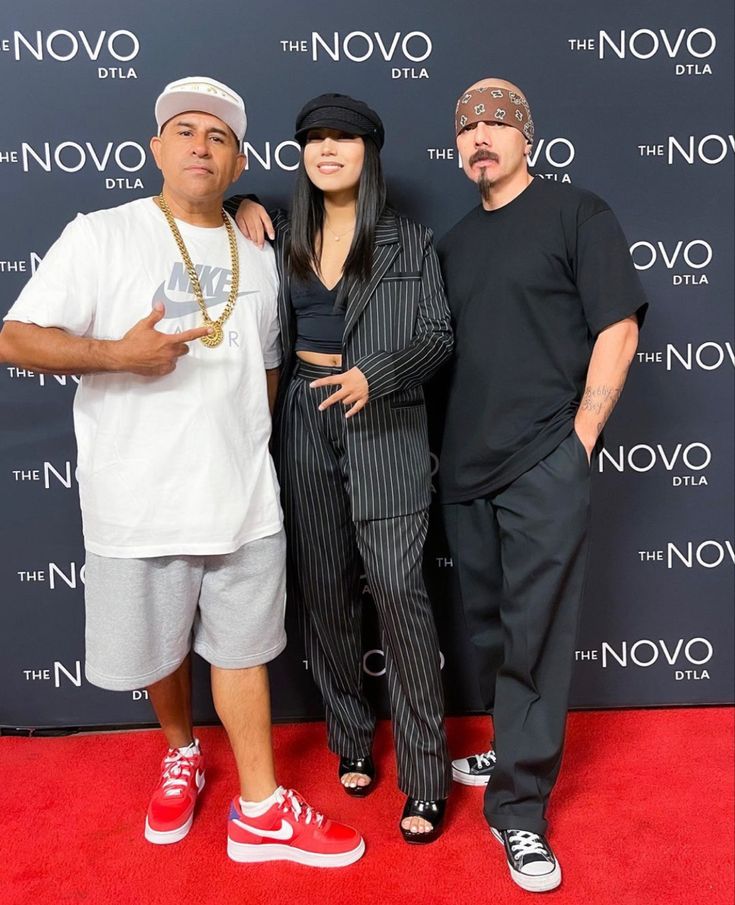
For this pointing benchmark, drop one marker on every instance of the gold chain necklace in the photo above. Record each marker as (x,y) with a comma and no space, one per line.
(216,336)
(339,236)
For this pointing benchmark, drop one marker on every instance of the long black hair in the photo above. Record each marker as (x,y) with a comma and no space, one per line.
(307,220)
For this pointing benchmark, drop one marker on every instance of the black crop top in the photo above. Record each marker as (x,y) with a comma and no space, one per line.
(319,328)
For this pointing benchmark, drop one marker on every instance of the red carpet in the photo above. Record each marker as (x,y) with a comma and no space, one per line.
(642,814)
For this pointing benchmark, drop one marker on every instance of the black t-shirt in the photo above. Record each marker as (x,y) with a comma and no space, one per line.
(530,286)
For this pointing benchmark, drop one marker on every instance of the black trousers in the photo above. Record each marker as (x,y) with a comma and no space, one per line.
(328,551)
(520,559)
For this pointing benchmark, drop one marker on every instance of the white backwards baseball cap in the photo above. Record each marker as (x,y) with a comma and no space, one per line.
(199,93)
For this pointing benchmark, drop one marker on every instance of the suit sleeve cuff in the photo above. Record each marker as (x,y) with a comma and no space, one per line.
(378,369)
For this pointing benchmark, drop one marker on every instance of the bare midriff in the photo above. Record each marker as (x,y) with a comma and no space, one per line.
(319,358)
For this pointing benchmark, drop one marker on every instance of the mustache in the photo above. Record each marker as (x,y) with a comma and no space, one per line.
(482,154)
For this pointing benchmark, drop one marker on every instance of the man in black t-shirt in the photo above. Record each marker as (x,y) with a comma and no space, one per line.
(546,306)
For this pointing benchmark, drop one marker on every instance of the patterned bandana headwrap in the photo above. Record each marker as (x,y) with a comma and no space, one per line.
(492,103)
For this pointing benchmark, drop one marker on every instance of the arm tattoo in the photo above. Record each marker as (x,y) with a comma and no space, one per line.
(600,401)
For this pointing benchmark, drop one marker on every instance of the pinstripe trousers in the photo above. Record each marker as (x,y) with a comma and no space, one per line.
(327,550)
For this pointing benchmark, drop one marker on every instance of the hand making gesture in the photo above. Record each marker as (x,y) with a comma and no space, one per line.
(354,390)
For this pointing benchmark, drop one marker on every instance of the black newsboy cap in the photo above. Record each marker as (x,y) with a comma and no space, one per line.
(342,113)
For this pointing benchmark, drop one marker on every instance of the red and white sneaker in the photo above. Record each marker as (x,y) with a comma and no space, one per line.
(171,809)
(291,830)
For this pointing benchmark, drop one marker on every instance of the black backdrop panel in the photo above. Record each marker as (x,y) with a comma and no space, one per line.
(633,101)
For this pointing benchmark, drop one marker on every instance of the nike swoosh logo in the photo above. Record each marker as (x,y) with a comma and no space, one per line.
(285,831)
(179,309)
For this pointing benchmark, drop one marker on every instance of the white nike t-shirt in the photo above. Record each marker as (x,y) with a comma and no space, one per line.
(178,464)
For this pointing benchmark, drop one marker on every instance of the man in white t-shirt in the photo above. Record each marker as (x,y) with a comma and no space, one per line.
(170,318)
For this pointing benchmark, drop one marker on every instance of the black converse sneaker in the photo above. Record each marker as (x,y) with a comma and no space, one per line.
(530,860)
(474,770)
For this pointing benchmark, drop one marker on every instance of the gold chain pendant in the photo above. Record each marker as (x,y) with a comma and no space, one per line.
(215,338)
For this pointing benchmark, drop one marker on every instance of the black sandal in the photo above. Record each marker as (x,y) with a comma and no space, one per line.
(431,811)
(362,765)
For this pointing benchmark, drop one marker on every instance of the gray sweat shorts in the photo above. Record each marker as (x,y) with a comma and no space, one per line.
(143,616)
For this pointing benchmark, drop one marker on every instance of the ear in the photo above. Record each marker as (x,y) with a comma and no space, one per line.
(240,164)
(155,146)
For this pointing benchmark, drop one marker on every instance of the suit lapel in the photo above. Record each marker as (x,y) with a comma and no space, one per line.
(386,248)
(285,311)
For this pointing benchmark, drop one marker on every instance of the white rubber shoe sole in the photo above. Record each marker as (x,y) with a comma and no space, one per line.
(529,882)
(246,853)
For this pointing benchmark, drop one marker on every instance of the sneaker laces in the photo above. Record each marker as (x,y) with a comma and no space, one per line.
(523,843)
(295,803)
(177,768)
(485,760)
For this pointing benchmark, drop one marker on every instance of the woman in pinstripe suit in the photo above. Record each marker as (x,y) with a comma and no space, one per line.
(364,322)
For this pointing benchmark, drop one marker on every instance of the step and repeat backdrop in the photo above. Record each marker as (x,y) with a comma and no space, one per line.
(633,101)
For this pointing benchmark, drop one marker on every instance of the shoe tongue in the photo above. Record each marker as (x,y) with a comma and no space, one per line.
(188,751)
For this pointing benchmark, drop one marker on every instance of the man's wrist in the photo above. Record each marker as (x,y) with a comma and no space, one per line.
(107,354)
(587,435)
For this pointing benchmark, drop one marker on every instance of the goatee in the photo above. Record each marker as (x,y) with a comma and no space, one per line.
(485,186)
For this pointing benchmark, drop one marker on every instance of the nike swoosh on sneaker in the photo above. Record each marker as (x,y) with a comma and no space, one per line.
(191,306)
(285,831)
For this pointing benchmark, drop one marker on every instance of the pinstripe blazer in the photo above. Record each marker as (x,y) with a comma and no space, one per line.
(397,332)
